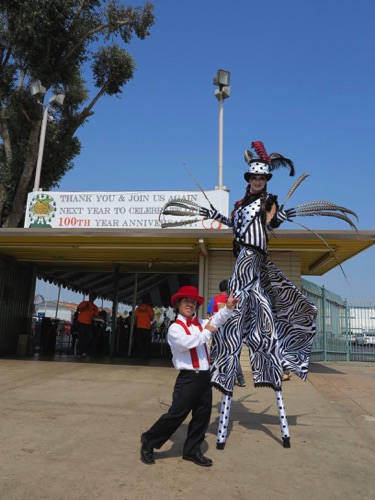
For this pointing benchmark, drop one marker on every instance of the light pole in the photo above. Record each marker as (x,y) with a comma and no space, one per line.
(37,89)
(222,80)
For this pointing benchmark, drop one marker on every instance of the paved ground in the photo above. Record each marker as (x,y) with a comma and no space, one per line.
(70,430)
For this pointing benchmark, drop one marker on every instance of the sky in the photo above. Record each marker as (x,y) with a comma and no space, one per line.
(302,81)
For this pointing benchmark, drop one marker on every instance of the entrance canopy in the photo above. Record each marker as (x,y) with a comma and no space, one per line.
(159,259)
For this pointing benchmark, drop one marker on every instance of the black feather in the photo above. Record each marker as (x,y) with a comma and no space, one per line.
(278,161)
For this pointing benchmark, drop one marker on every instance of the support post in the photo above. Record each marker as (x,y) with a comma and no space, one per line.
(41,150)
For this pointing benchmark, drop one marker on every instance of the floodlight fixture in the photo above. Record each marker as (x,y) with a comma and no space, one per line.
(57,100)
(37,89)
(222,80)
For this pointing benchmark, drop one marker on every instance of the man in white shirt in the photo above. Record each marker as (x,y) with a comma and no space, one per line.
(188,337)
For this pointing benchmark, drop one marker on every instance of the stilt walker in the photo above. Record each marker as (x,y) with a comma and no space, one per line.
(273,318)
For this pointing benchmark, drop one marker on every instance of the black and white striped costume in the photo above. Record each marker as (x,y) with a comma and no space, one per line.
(273,318)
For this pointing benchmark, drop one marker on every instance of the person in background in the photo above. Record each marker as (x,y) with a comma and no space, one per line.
(144,315)
(220,300)
(74,331)
(120,322)
(87,311)
(188,337)
(286,376)
(103,315)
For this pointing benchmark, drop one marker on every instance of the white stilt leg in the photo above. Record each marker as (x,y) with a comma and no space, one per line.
(283,420)
(226,402)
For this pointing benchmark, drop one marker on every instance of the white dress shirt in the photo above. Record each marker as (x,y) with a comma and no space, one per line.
(181,342)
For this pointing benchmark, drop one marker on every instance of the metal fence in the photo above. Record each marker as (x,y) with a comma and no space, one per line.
(345,331)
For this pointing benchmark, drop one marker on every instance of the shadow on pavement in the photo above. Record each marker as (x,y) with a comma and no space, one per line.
(318,368)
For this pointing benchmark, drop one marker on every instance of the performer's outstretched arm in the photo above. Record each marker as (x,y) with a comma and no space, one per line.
(215,214)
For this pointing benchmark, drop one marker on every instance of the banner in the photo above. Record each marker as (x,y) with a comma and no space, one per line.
(124,209)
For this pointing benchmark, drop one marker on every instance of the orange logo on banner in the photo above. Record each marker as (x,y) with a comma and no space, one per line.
(212,224)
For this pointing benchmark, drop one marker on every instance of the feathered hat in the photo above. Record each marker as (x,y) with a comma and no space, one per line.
(265,163)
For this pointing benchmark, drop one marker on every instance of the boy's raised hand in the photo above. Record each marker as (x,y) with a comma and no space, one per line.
(232,301)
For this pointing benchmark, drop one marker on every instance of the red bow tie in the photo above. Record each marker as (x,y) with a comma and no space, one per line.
(194,321)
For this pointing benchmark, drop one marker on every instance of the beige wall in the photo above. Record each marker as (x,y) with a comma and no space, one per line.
(220,267)
(221,263)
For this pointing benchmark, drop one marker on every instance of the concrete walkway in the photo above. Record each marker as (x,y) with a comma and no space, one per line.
(70,430)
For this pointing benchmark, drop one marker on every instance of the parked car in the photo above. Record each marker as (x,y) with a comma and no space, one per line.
(365,339)
(352,338)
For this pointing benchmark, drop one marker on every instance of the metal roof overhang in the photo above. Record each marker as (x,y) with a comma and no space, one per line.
(86,259)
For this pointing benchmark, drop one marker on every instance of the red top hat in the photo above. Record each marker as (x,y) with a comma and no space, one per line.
(187,292)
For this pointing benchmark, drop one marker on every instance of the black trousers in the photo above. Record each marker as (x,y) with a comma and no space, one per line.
(192,392)
(143,338)
(85,335)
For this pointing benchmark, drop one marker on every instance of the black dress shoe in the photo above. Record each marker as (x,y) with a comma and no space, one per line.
(198,459)
(147,452)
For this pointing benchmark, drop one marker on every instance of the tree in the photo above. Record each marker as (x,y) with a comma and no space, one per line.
(56,42)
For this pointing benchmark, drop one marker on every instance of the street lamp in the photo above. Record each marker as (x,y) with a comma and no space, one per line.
(222,80)
(37,89)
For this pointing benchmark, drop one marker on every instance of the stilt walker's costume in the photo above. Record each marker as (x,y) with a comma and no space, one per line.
(273,318)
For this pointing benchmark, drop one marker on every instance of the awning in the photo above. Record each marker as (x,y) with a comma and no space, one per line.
(87,259)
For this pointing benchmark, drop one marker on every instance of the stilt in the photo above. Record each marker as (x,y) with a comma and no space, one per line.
(283,420)
(226,402)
